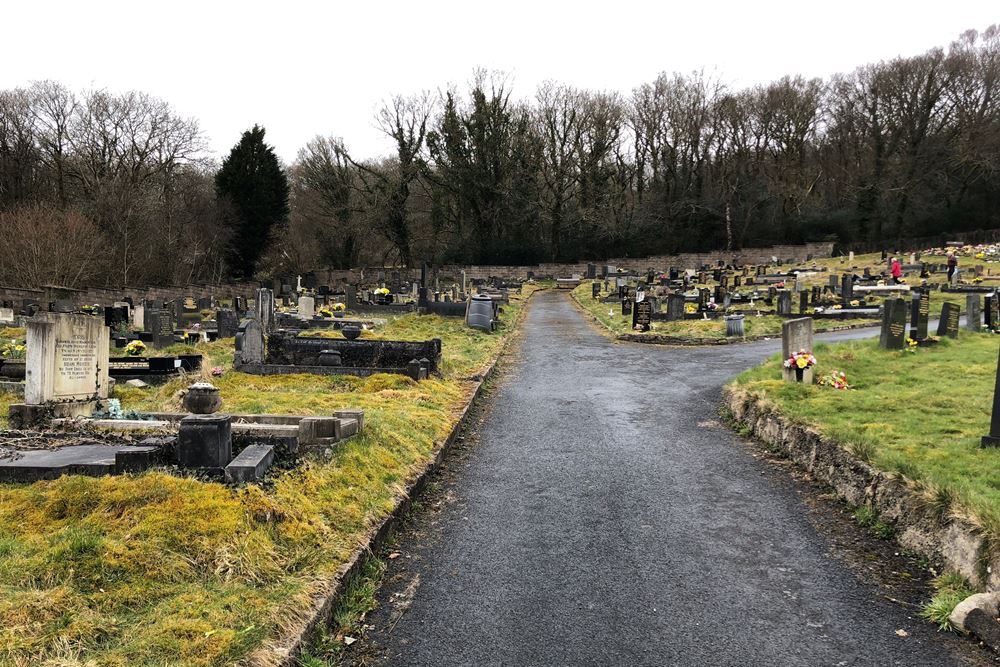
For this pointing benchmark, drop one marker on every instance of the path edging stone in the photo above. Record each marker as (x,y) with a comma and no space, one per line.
(285,651)
(919,525)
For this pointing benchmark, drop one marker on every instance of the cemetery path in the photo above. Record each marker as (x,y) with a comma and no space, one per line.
(605,517)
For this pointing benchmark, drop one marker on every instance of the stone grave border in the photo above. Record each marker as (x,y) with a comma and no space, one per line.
(955,541)
(285,650)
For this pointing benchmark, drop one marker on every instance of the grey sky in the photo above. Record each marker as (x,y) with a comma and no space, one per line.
(306,68)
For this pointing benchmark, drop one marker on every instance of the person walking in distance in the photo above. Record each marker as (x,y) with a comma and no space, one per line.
(897,271)
(952,267)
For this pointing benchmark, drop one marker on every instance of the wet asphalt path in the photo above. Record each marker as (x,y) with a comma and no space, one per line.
(606,518)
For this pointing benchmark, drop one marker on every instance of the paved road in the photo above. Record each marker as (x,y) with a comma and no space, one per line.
(605,518)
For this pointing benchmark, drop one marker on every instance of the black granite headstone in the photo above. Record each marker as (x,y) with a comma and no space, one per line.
(227,322)
(948,324)
(993,439)
(893,334)
(626,306)
(596,288)
(642,315)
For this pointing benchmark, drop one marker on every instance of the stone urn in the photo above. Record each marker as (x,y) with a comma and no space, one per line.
(351,332)
(330,358)
(202,398)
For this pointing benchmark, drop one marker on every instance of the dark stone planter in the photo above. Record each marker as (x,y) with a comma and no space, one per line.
(330,358)
(351,333)
(202,399)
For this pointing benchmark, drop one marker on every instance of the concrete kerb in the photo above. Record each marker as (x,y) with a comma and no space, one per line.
(286,651)
(920,525)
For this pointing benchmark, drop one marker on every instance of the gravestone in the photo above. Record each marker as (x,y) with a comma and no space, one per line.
(993,439)
(703,297)
(205,303)
(720,293)
(205,441)
(227,322)
(784,303)
(847,288)
(250,342)
(591,271)
(803,302)
(796,336)
(160,323)
(596,289)
(642,315)
(991,310)
(675,307)
(973,313)
(307,307)
(923,313)
(115,316)
(893,333)
(948,324)
(66,369)
(139,316)
(626,306)
(6,315)
(265,308)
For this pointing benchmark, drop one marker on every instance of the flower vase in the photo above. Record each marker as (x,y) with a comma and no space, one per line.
(799,373)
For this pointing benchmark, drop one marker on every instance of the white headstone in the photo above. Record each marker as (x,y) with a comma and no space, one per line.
(307,307)
(139,316)
(67,358)
(6,315)
(850,256)
(265,308)
(796,336)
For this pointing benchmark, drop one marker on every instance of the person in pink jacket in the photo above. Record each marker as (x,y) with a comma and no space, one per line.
(897,270)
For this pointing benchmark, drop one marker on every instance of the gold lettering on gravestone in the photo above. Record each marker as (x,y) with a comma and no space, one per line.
(897,329)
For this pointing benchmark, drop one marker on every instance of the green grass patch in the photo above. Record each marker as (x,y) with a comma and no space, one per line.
(920,414)
(949,590)
(161,569)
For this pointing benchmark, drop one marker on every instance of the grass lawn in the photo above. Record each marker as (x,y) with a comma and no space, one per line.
(918,413)
(610,316)
(161,569)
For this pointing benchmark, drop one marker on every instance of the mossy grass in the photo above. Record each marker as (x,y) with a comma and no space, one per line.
(920,414)
(609,315)
(161,568)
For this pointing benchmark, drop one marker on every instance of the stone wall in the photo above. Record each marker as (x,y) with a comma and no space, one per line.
(105,296)
(786,253)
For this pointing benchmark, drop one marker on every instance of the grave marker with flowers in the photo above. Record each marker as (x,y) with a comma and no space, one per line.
(796,350)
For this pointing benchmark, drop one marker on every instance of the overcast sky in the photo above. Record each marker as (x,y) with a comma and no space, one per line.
(306,68)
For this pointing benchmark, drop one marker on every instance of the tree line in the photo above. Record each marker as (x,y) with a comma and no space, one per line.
(897,149)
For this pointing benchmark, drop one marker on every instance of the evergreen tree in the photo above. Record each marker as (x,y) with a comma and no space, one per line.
(254,184)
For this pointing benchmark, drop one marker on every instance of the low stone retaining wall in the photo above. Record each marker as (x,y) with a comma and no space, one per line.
(663,339)
(921,524)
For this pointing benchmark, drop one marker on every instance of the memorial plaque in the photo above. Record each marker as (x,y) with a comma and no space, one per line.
(642,315)
(948,324)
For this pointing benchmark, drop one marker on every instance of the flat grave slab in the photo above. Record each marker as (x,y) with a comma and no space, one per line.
(35,464)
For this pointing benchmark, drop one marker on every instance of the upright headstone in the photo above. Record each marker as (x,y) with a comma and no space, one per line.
(626,306)
(227,322)
(67,362)
(675,307)
(993,439)
(893,333)
(596,288)
(591,271)
(250,342)
(923,303)
(642,315)
(847,287)
(948,324)
(265,308)
(160,323)
(784,303)
(803,302)
(139,316)
(796,336)
(973,313)
(307,307)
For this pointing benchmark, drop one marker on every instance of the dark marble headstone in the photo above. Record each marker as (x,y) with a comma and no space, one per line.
(991,310)
(923,313)
(115,316)
(596,289)
(948,324)
(204,303)
(160,323)
(893,334)
(993,439)
(626,306)
(205,441)
(803,302)
(591,271)
(642,315)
